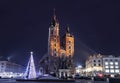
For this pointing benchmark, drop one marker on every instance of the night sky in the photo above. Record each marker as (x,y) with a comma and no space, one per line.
(24,25)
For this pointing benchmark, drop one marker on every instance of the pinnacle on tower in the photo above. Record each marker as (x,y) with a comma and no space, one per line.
(54,15)
(54,19)
(68,29)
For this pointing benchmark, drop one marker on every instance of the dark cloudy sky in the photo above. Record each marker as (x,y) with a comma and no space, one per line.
(24,25)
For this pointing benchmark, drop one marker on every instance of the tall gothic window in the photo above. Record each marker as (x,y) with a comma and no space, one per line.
(69,42)
(69,47)
(69,51)
(55,44)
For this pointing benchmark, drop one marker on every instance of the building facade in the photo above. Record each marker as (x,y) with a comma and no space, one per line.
(111,65)
(105,65)
(94,65)
(80,70)
(60,49)
(10,69)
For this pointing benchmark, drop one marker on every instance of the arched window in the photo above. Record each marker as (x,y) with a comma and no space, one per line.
(69,47)
(69,51)
(69,42)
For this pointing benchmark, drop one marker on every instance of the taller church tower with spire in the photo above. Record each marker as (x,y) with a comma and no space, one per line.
(54,38)
(60,52)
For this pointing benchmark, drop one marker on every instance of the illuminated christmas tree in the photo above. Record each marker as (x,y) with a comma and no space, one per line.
(30,70)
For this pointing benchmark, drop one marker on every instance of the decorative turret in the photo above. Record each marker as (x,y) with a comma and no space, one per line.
(68,30)
(69,43)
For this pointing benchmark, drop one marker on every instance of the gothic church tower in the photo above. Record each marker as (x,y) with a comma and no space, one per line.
(54,38)
(54,45)
(60,54)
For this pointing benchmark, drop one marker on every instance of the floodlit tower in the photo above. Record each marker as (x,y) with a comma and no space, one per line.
(54,44)
(30,70)
(60,50)
(54,38)
(69,43)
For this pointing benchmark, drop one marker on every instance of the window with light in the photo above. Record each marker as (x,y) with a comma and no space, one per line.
(107,71)
(106,67)
(116,63)
(117,71)
(116,66)
(106,63)
(112,71)
(111,63)
(111,67)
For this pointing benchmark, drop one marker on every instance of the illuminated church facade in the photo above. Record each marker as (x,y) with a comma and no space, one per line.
(60,52)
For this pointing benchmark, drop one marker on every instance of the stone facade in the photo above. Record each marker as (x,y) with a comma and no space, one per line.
(94,65)
(60,52)
(111,65)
